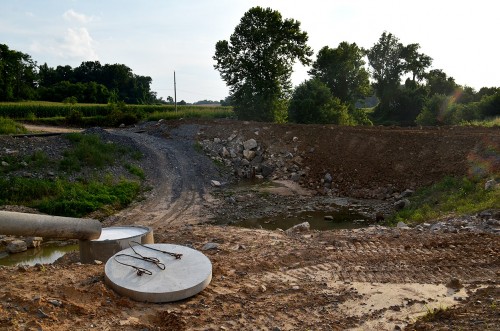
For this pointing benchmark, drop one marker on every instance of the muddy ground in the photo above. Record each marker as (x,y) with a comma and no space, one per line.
(376,278)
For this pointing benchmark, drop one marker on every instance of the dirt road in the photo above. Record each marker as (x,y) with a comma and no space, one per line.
(367,279)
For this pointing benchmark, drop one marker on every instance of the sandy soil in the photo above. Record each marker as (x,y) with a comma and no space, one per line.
(367,279)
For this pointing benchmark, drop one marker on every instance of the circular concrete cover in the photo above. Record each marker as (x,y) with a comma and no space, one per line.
(180,279)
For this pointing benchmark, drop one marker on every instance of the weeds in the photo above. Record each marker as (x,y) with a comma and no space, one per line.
(65,198)
(451,196)
(8,126)
(135,170)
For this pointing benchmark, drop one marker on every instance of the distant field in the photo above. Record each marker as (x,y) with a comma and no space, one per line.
(34,110)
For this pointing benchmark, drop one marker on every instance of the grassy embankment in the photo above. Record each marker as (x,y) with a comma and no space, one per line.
(448,198)
(59,195)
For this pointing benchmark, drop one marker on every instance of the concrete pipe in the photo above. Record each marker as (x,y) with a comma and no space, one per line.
(34,225)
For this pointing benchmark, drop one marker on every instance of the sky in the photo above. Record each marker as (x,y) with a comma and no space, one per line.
(157,37)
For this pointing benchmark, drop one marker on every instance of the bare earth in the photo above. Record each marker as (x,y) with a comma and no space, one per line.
(375,278)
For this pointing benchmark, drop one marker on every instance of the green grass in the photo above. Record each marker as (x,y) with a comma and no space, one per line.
(71,198)
(8,126)
(450,197)
(494,122)
(65,198)
(89,150)
(135,170)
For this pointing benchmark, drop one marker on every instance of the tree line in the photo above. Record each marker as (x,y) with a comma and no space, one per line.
(91,82)
(256,64)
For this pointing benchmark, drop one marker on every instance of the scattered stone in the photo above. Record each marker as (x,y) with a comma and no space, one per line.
(17,246)
(217,140)
(490,185)
(328,218)
(122,125)
(295,139)
(24,164)
(401,204)
(302,227)
(407,193)
(402,225)
(33,242)
(454,284)
(263,288)
(5,164)
(328,178)
(215,183)
(249,154)
(210,246)
(97,262)
(55,302)
(250,144)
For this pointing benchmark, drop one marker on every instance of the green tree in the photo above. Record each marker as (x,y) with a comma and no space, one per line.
(385,58)
(439,83)
(312,102)
(414,62)
(342,70)
(18,75)
(257,62)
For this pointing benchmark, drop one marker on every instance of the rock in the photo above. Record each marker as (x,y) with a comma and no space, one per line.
(122,125)
(55,302)
(24,164)
(215,183)
(33,242)
(210,246)
(328,218)
(231,137)
(224,152)
(267,169)
(4,164)
(454,284)
(302,227)
(407,193)
(295,177)
(17,246)
(401,204)
(249,154)
(217,140)
(402,225)
(489,185)
(97,262)
(328,178)
(295,139)
(250,144)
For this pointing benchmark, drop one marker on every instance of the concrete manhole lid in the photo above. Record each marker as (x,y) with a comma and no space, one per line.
(181,278)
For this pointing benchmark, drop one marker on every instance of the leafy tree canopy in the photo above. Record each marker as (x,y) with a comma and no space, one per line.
(342,70)
(256,63)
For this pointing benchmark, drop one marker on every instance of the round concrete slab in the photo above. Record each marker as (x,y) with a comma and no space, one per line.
(182,278)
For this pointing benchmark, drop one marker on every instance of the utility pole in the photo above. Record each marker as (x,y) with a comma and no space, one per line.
(175,93)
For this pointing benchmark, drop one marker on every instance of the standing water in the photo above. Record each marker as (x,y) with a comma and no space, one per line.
(48,253)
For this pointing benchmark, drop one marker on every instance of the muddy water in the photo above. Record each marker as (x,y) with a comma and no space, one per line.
(342,219)
(48,253)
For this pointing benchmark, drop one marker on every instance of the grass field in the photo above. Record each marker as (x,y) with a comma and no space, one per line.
(100,114)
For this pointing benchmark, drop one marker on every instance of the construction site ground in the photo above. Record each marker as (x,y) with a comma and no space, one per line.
(373,278)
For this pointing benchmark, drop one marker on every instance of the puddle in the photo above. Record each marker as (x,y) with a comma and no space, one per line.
(48,253)
(342,219)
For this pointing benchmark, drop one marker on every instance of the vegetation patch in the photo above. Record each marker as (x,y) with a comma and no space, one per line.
(61,197)
(450,197)
(8,126)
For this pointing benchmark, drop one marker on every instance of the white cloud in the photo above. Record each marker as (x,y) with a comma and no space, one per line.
(76,44)
(79,44)
(73,16)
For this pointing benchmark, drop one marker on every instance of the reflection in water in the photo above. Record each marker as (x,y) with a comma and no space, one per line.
(43,255)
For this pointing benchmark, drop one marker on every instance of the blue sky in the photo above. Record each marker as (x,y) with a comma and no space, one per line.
(155,37)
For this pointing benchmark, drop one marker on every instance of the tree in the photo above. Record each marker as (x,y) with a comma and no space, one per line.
(439,83)
(385,58)
(257,61)
(18,75)
(414,62)
(312,102)
(342,70)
